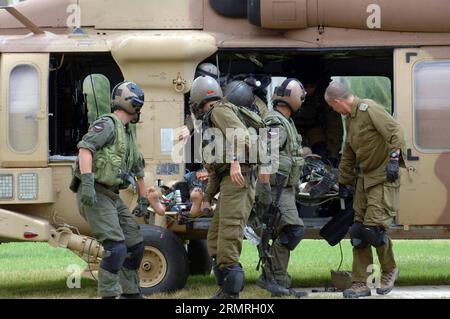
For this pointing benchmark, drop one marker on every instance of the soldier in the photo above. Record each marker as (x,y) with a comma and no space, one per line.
(375,141)
(109,160)
(320,127)
(240,93)
(286,100)
(189,129)
(208,69)
(234,181)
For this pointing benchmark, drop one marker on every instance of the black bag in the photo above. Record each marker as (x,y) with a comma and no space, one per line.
(336,229)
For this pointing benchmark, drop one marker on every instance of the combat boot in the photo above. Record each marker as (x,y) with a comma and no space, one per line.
(220,294)
(278,290)
(358,289)
(233,282)
(387,281)
(328,181)
(132,296)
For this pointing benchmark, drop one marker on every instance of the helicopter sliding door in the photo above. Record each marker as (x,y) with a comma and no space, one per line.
(422,100)
(23,110)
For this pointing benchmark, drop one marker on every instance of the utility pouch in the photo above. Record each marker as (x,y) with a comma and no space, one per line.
(75,184)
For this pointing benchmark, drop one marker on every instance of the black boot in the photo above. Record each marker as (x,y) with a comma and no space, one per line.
(328,181)
(132,296)
(220,277)
(278,290)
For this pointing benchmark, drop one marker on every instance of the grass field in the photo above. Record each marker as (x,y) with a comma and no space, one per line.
(35,270)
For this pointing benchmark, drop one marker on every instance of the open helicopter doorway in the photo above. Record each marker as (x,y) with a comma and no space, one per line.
(368,72)
(80,88)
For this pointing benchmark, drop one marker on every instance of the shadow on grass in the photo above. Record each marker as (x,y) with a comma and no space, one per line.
(49,288)
(324,280)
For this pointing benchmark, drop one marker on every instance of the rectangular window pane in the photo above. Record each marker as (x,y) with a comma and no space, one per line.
(23,108)
(377,88)
(432,105)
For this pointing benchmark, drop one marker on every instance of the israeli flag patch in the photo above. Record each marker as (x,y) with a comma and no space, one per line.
(363,107)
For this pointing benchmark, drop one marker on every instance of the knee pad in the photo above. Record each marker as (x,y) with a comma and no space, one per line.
(134,256)
(233,279)
(375,235)
(115,254)
(357,237)
(218,273)
(291,236)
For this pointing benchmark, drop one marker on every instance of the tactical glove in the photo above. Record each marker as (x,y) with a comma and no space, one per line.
(392,169)
(141,208)
(88,195)
(345,191)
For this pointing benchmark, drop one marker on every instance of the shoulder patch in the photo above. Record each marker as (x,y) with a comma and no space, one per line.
(98,127)
(363,107)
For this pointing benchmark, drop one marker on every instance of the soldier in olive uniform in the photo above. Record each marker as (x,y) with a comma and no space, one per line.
(109,160)
(320,127)
(235,183)
(375,141)
(287,101)
(188,130)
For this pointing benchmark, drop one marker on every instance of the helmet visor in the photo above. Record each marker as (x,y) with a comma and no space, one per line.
(136,102)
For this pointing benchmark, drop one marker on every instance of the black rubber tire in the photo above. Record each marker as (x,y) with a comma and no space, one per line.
(199,261)
(174,253)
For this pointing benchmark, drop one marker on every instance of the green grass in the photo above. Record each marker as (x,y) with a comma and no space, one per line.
(35,270)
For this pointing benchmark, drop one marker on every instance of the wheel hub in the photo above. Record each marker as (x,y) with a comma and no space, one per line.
(153,267)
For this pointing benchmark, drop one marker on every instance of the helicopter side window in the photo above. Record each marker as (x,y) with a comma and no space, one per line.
(377,88)
(432,105)
(24,96)
(97,88)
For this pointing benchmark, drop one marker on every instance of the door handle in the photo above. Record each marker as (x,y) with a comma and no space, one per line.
(409,155)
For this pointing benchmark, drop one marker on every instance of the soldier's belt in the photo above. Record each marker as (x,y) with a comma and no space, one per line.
(108,191)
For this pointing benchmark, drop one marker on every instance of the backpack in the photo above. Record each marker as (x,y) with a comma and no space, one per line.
(248,117)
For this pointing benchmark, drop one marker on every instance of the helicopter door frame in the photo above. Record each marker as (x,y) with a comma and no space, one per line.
(426,181)
(24,79)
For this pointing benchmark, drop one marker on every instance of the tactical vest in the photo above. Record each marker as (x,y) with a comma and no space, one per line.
(113,160)
(249,118)
(291,159)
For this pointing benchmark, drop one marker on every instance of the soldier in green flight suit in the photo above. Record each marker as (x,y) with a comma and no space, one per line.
(229,176)
(375,142)
(287,101)
(109,160)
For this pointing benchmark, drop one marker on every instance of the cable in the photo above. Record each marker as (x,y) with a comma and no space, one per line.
(88,259)
(217,65)
(342,256)
(59,66)
(93,92)
(313,204)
